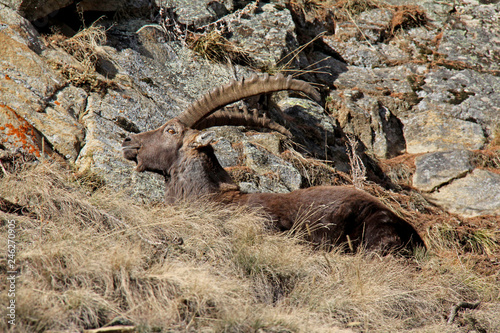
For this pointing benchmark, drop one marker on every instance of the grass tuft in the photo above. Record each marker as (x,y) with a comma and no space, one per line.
(214,47)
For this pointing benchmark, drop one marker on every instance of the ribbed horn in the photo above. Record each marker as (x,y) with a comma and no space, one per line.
(237,90)
(234,116)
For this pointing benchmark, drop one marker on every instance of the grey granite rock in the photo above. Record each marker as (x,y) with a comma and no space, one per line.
(435,169)
(267,164)
(370,121)
(476,194)
(267,35)
(474,35)
(102,155)
(431,131)
(464,94)
(198,12)
(225,153)
(32,9)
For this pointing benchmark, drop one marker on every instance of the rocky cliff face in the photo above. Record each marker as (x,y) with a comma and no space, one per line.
(402,79)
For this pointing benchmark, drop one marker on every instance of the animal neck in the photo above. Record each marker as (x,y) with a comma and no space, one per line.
(197,175)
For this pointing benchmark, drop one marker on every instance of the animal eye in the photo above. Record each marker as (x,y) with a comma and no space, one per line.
(171,131)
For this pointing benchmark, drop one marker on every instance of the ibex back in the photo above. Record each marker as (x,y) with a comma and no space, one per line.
(331,215)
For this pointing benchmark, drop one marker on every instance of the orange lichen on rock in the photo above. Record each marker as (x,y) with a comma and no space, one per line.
(20,133)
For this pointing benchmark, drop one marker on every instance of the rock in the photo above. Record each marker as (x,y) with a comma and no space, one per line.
(313,129)
(438,12)
(432,131)
(370,121)
(305,112)
(436,169)
(16,134)
(356,53)
(269,141)
(33,9)
(127,6)
(323,68)
(306,118)
(267,36)
(370,25)
(198,12)
(225,153)
(464,94)
(374,23)
(28,85)
(264,163)
(167,73)
(102,155)
(379,82)
(476,194)
(248,187)
(474,37)
(61,124)
(19,29)
(27,81)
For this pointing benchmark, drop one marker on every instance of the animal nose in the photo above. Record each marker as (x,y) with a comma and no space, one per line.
(127,142)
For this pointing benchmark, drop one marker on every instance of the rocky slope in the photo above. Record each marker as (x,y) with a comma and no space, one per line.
(403,79)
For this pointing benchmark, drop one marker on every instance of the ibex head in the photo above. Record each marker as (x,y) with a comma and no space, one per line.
(159,149)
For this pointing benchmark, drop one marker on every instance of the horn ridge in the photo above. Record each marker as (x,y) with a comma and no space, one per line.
(240,116)
(240,89)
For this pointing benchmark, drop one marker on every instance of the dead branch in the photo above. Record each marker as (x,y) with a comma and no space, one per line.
(461,306)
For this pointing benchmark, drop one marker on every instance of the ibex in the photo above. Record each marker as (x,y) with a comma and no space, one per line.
(329,215)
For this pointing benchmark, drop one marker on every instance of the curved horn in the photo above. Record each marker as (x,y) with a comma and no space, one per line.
(237,90)
(240,117)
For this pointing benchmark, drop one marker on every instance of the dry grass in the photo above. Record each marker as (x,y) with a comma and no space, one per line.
(86,48)
(214,47)
(89,256)
(358,169)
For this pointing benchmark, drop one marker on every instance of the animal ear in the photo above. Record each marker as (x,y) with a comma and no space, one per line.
(203,139)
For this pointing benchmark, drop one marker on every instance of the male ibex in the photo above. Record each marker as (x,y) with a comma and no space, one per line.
(330,214)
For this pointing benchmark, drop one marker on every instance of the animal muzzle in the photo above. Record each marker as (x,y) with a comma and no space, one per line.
(130,149)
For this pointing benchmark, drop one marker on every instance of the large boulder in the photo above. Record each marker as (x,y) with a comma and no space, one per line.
(473,40)
(268,165)
(436,169)
(267,36)
(28,86)
(432,131)
(462,94)
(476,194)
(371,122)
(198,12)
(32,9)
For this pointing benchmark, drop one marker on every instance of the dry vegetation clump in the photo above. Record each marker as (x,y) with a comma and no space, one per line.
(90,257)
(83,46)
(214,47)
(315,172)
(404,16)
(86,49)
(488,158)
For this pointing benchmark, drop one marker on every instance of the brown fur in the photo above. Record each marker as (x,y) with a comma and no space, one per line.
(328,215)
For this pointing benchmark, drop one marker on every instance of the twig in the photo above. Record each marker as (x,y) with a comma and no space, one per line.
(358,169)
(4,170)
(460,306)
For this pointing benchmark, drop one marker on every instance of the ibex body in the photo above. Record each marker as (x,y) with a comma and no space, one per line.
(327,214)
